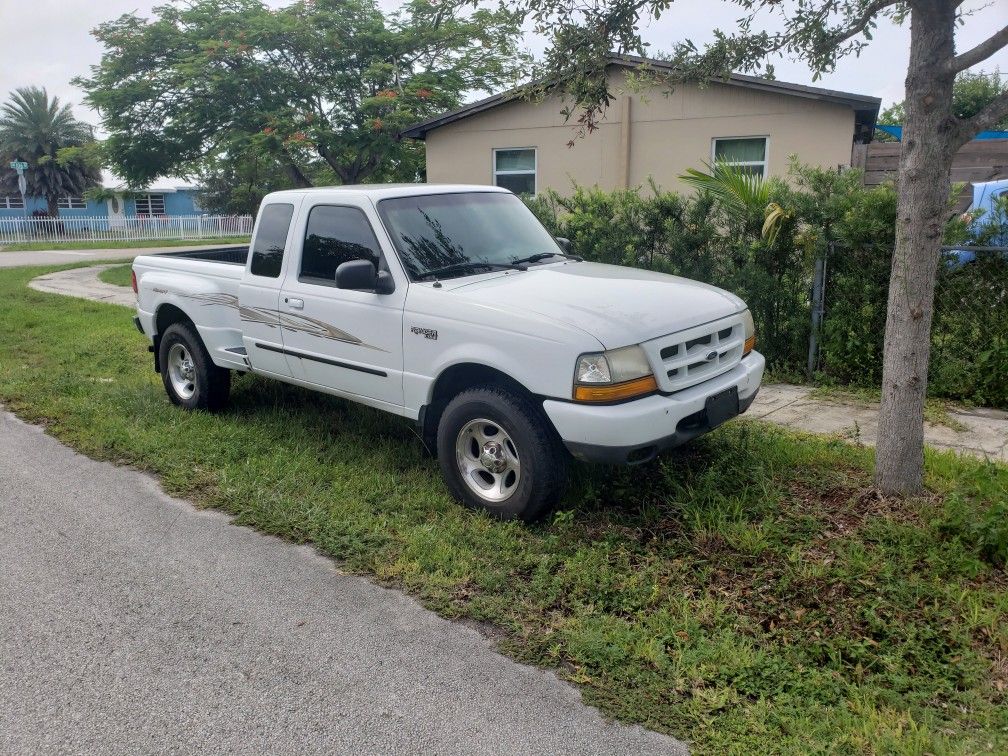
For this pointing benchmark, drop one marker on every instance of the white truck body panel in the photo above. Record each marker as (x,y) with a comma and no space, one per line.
(388,350)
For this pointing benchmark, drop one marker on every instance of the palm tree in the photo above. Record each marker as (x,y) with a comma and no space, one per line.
(744,195)
(33,128)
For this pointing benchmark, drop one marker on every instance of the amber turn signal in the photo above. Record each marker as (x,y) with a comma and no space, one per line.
(750,343)
(616,391)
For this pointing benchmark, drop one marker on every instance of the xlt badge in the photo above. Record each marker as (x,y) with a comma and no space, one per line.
(427,333)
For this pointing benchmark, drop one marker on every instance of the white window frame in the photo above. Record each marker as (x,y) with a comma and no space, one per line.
(12,202)
(764,163)
(146,198)
(67,202)
(494,173)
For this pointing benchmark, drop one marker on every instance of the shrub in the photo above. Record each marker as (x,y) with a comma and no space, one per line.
(826,213)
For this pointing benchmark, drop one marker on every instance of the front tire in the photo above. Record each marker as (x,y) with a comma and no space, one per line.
(190,377)
(498,453)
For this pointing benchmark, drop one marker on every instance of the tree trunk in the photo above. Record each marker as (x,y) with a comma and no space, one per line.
(294,173)
(52,206)
(924,187)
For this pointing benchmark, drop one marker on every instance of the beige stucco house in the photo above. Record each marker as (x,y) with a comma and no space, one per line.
(522,145)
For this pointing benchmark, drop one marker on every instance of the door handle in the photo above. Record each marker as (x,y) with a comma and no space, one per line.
(294,303)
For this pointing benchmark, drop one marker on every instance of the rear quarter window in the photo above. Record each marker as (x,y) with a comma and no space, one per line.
(270,239)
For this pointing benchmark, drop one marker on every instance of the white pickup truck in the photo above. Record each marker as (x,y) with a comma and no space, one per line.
(454,307)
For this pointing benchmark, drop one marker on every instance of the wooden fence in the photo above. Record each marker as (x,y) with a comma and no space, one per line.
(103,228)
(977,161)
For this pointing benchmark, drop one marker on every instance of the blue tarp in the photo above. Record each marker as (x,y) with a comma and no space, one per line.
(897,131)
(984,195)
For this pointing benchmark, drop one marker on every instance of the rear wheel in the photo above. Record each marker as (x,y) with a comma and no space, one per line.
(498,453)
(190,377)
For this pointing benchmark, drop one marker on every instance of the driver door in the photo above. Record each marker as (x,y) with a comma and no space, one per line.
(344,340)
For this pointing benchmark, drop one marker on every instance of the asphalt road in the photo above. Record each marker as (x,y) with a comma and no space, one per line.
(59,257)
(130,621)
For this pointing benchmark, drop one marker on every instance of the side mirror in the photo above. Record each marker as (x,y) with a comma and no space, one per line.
(565,244)
(360,275)
(384,284)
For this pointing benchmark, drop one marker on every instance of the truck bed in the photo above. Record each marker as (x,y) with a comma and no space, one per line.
(236,255)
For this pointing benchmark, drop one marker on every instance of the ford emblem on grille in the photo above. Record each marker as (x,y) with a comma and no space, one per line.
(711,356)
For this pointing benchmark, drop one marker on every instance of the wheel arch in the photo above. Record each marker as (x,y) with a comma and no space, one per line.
(166,315)
(453,380)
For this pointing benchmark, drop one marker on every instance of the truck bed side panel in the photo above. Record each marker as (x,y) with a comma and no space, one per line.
(207,292)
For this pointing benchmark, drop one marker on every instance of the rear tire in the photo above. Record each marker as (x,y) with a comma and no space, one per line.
(499,453)
(190,377)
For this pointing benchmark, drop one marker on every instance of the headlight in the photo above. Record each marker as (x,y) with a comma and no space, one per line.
(613,375)
(750,333)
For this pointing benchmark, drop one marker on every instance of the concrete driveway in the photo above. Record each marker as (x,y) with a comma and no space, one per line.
(133,622)
(59,257)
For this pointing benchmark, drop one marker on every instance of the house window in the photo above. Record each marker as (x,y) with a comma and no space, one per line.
(150,204)
(11,203)
(748,153)
(515,169)
(71,203)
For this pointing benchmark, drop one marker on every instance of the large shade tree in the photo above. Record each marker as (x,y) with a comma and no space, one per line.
(36,128)
(320,87)
(821,33)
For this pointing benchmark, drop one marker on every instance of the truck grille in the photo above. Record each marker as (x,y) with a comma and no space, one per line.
(689,357)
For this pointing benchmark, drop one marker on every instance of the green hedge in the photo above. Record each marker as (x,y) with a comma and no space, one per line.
(693,237)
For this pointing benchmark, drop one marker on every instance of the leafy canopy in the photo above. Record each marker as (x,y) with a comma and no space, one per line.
(321,87)
(971,93)
(36,128)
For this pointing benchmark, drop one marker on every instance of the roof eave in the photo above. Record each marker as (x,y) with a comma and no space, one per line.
(865,108)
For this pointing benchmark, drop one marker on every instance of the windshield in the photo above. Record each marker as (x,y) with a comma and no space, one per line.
(453,233)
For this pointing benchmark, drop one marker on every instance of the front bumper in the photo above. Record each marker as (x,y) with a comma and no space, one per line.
(637,431)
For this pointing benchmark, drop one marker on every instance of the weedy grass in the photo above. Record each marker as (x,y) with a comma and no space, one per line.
(122,244)
(117,276)
(750,594)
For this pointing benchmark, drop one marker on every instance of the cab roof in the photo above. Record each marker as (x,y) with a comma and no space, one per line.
(383,191)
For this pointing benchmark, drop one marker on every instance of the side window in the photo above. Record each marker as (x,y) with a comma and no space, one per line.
(336,235)
(268,250)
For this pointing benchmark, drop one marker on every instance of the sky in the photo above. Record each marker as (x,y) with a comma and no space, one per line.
(47,43)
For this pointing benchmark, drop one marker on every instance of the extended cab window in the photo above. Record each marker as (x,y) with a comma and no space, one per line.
(270,238)
(336,235)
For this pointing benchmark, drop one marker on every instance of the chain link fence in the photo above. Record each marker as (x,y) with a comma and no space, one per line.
(969,336)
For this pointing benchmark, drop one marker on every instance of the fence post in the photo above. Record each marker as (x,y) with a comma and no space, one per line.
(818,290)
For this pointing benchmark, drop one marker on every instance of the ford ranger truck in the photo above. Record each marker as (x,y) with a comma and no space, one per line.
(454,307)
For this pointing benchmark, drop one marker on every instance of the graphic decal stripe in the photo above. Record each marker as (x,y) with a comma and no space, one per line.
(276,319)
(324,360)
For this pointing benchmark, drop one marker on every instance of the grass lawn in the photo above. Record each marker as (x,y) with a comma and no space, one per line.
(750,594)
(126,244)
(117,276)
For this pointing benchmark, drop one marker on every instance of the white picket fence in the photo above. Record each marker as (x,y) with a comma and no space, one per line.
(103,228)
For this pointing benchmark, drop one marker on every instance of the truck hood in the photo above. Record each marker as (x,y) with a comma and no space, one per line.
(617,305)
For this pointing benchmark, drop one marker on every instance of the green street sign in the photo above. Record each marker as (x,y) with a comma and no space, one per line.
(19,165)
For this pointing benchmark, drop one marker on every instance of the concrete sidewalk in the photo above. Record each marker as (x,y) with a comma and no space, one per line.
(979,432)
(84,283)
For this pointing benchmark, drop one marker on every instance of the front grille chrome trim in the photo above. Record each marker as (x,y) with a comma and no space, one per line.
(697,354)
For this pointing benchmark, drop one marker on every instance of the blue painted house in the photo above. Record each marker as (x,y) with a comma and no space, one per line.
(161,200)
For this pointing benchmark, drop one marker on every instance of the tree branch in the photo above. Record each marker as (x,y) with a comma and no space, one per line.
(979,53)
(860,23)
(294,173)
(968,128)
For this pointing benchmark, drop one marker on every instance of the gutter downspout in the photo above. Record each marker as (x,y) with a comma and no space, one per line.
(624,166)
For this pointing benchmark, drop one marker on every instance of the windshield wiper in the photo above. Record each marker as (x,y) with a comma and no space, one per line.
(543,255)
(463,266)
